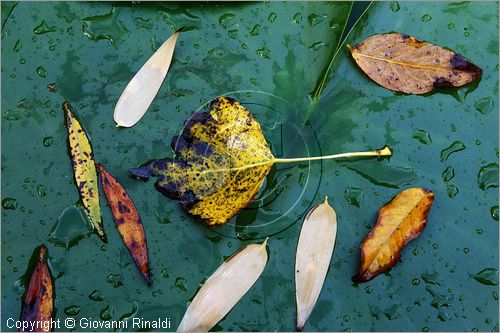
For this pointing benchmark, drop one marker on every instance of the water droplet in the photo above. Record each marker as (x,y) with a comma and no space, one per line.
(255,30)
(233,34)
(70,228)
(466,250)
(114,280)
(253,81)
(10,259)
(426,18)
(107,313)
(96,296)
(448,174)
(432,278)
(451,25)
(394,6)
(272,17)
(452,191)
(226,20)
(41,190)
(48,141)
(51,87)
(453,148)
(316,46)
(22,61)
(263,52)
(494,212)
(478,142)
(488,176)
(353,195)
(368,290)
(41,71)
(466,34)
(495,296)
(297,18)
(18,46)
(164,273)
(315,19)
(415,281)
(43,28)
(72,310)
(346,318)
(9,203)
(484,105)
(104,247)
(488,276)
(180,283)
(422,136)
(479,231)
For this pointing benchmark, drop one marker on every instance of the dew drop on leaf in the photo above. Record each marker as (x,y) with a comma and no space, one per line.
(426,18)
(453,148)
(494,212)
(488,276)
(448,174)
(488,176)
(96,296)
(422,136)
(72,310)
(272,17)
(9,203)
(394,6)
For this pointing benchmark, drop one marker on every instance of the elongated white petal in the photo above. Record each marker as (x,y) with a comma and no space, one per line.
(314,251)
(227,285)
(142,89)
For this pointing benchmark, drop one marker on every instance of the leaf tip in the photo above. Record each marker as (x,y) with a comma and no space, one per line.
(349,47)
(326,200)
(265,241)
(386,151)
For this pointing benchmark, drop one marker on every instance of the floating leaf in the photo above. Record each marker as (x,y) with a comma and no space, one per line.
(84,169)
(142,89)
(314,251)
(399,221)
(402,63)
(127,220)
(38,301)
(224,288)
(222,160)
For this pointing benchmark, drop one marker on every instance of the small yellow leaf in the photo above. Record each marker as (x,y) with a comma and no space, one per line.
(400,221)
(84,169)
(402,63)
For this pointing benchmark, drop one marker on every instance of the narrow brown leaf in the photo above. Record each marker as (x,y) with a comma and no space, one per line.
(399,221)
(402,63)
(127,220)
(38,302)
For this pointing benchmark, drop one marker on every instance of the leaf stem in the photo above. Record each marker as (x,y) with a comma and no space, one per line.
(379,152)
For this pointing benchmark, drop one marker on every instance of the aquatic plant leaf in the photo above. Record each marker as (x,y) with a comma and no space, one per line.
(142,89)
(222,160)
(312,260)
(399,221)
(38,301)
(127,221)
(84,169)
(402,63)
(224,288)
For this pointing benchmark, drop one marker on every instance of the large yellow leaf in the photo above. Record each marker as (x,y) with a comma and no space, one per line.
(222,160)
(402,63)
(84,169)
(400,221)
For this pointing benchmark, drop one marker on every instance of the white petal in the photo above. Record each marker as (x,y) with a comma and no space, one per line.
(227,285)
(142,89)
(314,251)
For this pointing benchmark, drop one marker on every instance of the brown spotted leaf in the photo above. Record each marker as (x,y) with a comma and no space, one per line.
(127,220)
(84,169)
(399,221)
(38,301)
(402,63)
(222,158)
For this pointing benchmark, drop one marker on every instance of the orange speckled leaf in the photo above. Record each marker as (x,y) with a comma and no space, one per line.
(82,159)
(127,220)
(38,302)
(400,221)
(402,63)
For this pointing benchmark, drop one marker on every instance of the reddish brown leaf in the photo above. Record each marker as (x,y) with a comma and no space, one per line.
(400,221)
(127,220)
(38,302)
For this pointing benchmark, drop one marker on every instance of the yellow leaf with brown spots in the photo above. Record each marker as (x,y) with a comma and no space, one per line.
(38,300)
(84,169)
(127,220)
(402,63)
(222,158)
(400,221)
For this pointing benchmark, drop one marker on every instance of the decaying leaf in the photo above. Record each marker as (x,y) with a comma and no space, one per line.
(402,63)
(224,288)
(222,160)
(399,221)
(142,89)
(127,220)
(314,251)
(38,301)
(84,169)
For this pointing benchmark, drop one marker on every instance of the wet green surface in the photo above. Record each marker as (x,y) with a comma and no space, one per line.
(447,278)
